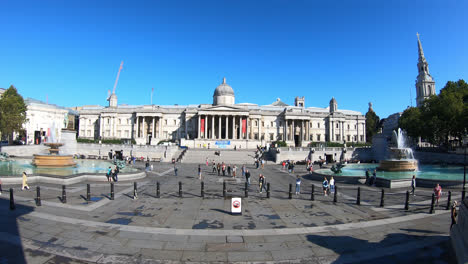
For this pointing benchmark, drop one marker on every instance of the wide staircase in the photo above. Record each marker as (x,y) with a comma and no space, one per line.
(228,156)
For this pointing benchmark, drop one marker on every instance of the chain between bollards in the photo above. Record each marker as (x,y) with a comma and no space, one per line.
(38,196)
(64,194)
(382,197)
(335,198)
(449,200)
(312,198)
(180,189)
(407,201)
(88,192)
(358,199)
(268,190)
(246,190)
(12,200)
(431,211)
(112,191)
(290,191)
(202,186)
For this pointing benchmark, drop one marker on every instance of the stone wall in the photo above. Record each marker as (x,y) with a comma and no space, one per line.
(298,154)
(25,150)
(434,157)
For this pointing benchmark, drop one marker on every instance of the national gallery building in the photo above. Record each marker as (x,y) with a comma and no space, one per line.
(223,124)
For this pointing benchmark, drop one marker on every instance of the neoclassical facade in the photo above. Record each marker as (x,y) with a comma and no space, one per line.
(223,124)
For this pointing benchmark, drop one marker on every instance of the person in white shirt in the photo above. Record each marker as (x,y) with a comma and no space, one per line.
(332,185)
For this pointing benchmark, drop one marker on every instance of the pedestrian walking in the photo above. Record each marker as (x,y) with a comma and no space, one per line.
(413,185)
(261,181)
(234,171)
(263,163)
(243,170)
(218,167)
(115,174)
(199,172)
(229,170)
(298,185)
(214,167)
(25,182)
(325,186)
(207,163)
(332,185)
(438,193)
(108,174)
(223,168)
(247,177)
(176,169)
(367,177)
(283,165)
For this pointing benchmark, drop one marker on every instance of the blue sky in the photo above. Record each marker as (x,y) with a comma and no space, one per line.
(356,51)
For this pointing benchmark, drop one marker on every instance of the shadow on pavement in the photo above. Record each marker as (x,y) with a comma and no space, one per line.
(11,249)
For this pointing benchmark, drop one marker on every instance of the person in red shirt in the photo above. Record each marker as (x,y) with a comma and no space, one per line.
(437,193)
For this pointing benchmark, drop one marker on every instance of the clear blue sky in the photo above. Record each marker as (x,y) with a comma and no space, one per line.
(356,51)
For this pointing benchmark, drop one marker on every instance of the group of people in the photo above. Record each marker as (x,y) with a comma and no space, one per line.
(288,165)
(112,174)
(328,187)
(223,168)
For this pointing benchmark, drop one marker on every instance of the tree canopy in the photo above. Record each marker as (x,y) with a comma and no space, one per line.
(12,112)
(440,117)
(372,124)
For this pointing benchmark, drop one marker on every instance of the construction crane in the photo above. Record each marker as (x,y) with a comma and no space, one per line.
(115,84)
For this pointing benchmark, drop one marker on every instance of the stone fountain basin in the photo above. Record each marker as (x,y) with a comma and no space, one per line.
(398,165)
(53,161)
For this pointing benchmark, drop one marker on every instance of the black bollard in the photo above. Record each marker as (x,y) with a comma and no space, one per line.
(449,199)
(88,192)
(12,200)
(180,189)
(224,189)
(158,190)
(112,191)
(407,201)
(431,211)
(64,194)
(312,193)
(290,191)
(38,194)
(246,189)
(382,198)
(358,199)
(335,198)
(268,190)
(135,190)
(202,189)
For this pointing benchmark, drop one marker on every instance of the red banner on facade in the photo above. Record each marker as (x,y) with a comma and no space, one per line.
(244,125)
(202,125)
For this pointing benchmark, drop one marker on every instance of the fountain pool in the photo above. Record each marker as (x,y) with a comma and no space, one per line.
(429,172)
(15,167)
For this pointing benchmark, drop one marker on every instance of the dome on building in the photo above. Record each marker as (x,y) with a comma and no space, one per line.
(224,94)
(223,89)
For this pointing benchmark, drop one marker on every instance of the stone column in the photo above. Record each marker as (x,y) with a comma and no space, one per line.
(144,129)
(186,130)
(227,127)
(199,128)
(357,131)
(100,126)
(160,127)
(206,128)
(219,127)
(152,128)
(240,128)
(247,128)
(332,132)
(285,134)
(233,127)
(302,131)
(212,127)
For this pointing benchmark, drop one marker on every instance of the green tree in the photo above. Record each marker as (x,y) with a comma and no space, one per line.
(372,123)
(411,122)
(12,112)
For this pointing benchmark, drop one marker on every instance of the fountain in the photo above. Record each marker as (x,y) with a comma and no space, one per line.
(53,159)
(400,157)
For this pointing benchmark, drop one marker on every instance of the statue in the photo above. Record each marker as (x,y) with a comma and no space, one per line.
(65,121)
(337,168)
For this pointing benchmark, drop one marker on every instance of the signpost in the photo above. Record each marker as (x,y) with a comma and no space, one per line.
(222,143)
(236,205)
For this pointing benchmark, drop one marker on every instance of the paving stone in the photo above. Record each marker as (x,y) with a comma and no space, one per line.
(234,239)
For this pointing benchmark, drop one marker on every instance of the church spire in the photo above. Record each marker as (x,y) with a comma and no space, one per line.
(420,50)
(425,85)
